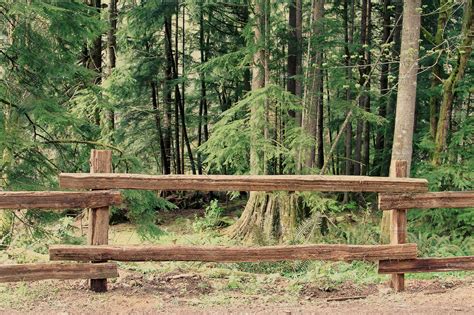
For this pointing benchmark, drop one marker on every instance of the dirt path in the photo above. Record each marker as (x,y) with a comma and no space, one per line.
(184,293)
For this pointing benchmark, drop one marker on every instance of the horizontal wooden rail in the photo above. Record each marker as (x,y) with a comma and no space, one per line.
(242,182)
(427,265)
(232,254)
(63,271)
(445,199)
(58,199)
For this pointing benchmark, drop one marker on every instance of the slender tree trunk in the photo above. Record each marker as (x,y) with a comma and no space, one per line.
(299,56)
(313,113)
(320,118)
(379,158)
(177,97)
(111,52)
(167,92)
(183,88)
(165,167)
(394,71)
(367,70)
(449,85)
(203,99)
(348,38)
(406,97)
(294,50)
(361,124)
(436,76)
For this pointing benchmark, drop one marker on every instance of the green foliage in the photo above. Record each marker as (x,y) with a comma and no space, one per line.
(39,76)
(456,174)
(430,245)
(141,209)
(228,149)
(212,217)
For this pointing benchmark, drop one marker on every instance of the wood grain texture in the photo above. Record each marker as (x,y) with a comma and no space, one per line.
(98,230)
(444,199)
(232,254)
(58,199)
(63,271)
(243,183)
(427,264)
(398,227)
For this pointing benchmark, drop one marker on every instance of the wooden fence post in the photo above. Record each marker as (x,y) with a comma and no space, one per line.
(98,232)
(398,227)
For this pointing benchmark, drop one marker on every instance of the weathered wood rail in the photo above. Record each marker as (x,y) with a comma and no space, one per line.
(444,199)
(427,265)
(328,183)
(232,254)
(63,271)
(58,199)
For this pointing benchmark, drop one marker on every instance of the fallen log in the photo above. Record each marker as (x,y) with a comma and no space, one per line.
(427,265)
(444,199)
(58,199)
(242,182)
(63,271)
(232,254)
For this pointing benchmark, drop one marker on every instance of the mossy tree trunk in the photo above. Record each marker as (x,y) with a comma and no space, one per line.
(449,85)
(267,216)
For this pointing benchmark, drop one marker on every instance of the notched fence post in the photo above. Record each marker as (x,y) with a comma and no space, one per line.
(98,231)
(398,227)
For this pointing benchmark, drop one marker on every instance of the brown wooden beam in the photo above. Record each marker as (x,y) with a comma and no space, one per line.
(34,272)
(242,182)
(232,254)
(398,227)
(98,230)
(427,265)
(58,199)
(444,199)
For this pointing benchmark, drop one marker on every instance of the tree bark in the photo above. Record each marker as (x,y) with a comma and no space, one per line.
(406,98)
(367,70)
(379,158)
(348,39)
(266,217)
(361,129)
(202,78)
(111,51)
(165,167)
(449,85)
(294,49)
(313,106)
(167,135)
(177,96)
(436,76)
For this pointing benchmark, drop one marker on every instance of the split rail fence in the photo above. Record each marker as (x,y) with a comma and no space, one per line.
(396,194)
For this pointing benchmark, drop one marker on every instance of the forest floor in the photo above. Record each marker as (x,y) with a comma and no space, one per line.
(190,293)
(278,288)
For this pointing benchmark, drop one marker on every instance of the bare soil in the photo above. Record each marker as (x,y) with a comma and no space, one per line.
(187,293)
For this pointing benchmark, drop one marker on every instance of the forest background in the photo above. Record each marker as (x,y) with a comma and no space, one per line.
(236,87)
